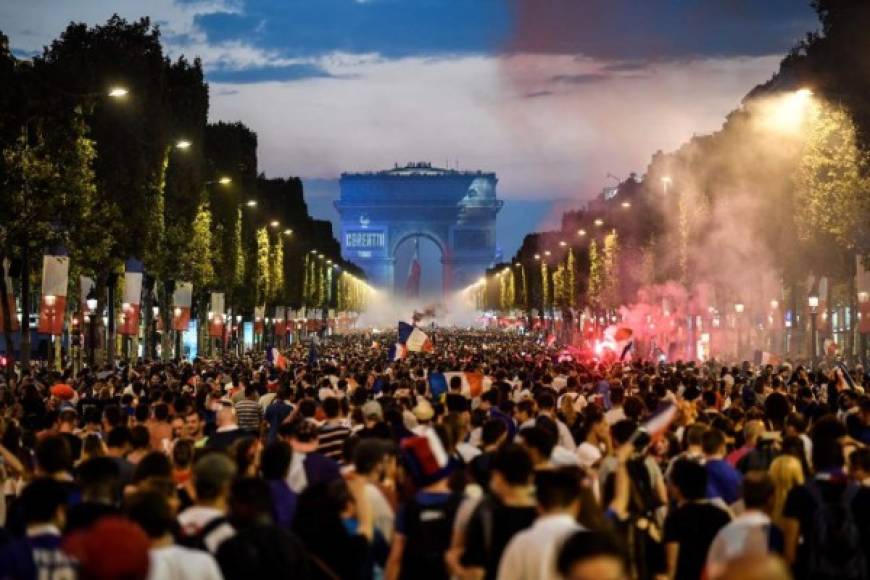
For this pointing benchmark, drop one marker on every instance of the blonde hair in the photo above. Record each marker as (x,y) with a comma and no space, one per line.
(786,473)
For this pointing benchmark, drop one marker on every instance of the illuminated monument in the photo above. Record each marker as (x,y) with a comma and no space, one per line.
(454,209)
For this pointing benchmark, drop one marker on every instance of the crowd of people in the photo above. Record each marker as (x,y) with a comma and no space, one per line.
(492,458)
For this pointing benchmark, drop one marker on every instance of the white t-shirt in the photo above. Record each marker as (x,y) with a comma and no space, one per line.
(382,514)
(588,454)
(180,563)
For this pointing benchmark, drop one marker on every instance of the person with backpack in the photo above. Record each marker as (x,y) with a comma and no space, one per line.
(152,512)
(829,513)
(204,525)
(508,509)
(424,524)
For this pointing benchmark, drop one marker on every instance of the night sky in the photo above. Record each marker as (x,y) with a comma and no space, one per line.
(551,94)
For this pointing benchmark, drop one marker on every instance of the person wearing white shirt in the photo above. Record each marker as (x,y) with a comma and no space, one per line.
(750,534)
(547,405)
(167,560)
(531,554)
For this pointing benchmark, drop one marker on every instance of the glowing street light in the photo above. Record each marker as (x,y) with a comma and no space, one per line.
(118,92)
(626,204)
(598,222)
(563,243)
(581,232)
(288,232)
(739,307)
(274,223)
(666,183)
(537,256)
(182,144)
(774,304)
(225,180)
(251,203)
(547,253)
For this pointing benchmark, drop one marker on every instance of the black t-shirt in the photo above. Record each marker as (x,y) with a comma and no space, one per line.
(801,506)
(693,526)
(75,445)
(490,528)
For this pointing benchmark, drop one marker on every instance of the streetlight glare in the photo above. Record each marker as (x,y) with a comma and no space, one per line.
(288,232)
(182,144)
(225,180)
(599,222)
(118,92)
(251,203)
(626,204)
(274,223)
(581,232)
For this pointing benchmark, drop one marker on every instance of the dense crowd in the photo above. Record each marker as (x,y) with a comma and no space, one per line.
(491,458)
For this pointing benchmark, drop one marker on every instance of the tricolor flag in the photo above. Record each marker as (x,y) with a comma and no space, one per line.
(398,351)
(473,383)
(181,300)
(10,298)
(278,359)
(657,425)
(55,277)
(414,339)
(426,458)
(132,298)
(216,315)
(259,319)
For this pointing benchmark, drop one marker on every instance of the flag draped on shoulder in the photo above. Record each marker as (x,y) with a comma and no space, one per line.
(473,383)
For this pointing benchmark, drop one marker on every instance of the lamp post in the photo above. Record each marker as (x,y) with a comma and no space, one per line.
(813,303)
(91,319)
(50,302)
(738,311)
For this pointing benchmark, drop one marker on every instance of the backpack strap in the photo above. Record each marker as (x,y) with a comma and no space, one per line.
(211,526)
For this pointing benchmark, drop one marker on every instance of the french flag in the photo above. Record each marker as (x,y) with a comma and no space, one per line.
(181,299)
(55,278)
(657,425)
(132,298)
(414,339)
(473,383)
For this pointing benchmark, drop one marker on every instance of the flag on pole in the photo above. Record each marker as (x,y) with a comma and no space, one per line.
(132,298)
(412,284)
(216,315)
(55,277)
(259,319)
(182,298)
(657,425)
(10,298)
(414,339)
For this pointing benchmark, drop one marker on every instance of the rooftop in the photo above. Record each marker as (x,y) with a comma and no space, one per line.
(418,168)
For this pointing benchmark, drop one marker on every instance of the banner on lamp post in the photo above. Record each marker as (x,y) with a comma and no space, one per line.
(280,321)
(259,319)
(55,278)
(132,298)
(182,298)
(216,315)
(10,299)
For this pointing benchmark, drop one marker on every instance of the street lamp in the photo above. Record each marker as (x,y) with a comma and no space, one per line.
(225,180)
(813,303)
(182,144)
(626,205)
(251,203)
(118,92)
(581,232)
(666,183)
(738,309)
(274,223)
(563,243)
(598,222)
(288,232)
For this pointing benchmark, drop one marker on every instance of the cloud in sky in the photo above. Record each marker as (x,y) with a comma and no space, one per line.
(551,95)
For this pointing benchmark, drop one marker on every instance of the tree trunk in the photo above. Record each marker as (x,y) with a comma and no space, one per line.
(25,306)
(166,317)
(7,321)
(111,345)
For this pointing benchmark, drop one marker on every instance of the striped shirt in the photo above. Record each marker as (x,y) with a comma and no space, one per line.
(331,438)
(249,414)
